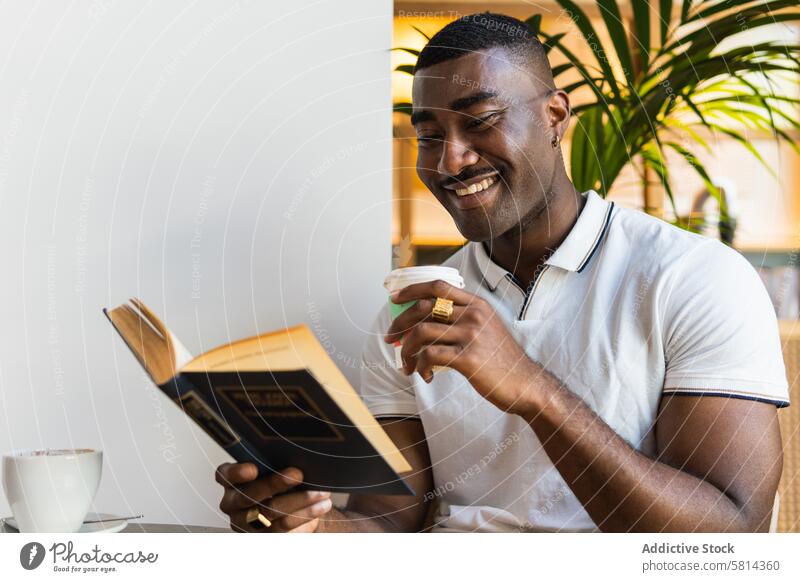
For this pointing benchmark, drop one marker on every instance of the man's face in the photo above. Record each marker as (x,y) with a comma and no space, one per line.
(483,123)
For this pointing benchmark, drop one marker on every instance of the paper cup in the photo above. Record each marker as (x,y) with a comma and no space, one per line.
(402,278)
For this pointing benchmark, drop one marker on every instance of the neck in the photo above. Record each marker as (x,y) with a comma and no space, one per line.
(522,249)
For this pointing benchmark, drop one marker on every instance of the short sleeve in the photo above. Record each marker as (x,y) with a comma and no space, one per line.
(720,330)
(385,390)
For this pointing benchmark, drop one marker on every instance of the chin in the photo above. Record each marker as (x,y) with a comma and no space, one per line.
(475,231)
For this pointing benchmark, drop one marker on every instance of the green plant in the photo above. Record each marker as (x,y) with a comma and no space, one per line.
(652,92)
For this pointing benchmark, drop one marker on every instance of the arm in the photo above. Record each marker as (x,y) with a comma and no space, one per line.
(309,511)
(717,468)
(718,459)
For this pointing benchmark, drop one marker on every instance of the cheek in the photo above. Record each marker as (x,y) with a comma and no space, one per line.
(499,146)
(426,163)
(428,173)
(515,142)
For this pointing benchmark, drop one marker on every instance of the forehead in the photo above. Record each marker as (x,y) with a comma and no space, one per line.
(492,71)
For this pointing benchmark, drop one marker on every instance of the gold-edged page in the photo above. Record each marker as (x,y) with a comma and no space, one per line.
(271,351)
(151,349)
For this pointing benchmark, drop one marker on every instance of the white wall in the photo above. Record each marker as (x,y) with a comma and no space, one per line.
(227,162)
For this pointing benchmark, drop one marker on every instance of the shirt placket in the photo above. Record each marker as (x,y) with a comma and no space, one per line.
(535,297)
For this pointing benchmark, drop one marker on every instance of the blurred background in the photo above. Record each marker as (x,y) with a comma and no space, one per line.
(763,194)
(734,173)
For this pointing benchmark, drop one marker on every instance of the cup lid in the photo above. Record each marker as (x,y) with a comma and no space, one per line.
(401,278)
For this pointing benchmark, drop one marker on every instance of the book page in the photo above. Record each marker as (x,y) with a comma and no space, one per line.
(182,355)
(271,351)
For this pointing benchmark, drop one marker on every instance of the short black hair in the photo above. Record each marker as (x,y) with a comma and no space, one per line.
(483,31)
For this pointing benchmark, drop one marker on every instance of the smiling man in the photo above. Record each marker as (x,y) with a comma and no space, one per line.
(607,370)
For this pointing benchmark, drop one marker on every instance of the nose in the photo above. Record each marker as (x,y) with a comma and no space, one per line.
(456,155)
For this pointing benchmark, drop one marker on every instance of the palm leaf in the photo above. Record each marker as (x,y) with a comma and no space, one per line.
(641,26)
(739,138)
(665,14)
(714,9)
(563,68)
(687,5)
(602,99)
(535,23)
(709,35)
(613,19)
(584,153)
(553,41)
(653,158)
(412,52)
(421,32)
(584,24)
(402,107)
(682,130)
(673,82)
(698,167)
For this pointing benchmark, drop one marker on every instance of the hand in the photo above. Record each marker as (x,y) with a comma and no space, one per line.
(289,511)
(476,343)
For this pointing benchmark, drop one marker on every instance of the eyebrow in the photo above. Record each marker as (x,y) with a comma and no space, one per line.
(420,116)
(458,105)
(470,100)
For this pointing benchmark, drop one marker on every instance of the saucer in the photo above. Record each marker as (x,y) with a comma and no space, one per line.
(112,524)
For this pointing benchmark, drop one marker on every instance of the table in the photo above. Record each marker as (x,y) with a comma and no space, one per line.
(136,527)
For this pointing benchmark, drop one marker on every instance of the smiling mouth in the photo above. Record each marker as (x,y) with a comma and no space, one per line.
(484,184)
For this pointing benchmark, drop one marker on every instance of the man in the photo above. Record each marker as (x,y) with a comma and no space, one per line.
(608,371)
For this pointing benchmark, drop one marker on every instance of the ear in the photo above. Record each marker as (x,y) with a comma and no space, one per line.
(558,112)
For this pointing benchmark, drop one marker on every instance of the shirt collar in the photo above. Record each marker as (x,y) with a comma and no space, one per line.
(491,271)
(574,253)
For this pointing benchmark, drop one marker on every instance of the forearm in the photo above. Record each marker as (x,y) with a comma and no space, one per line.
(621,489)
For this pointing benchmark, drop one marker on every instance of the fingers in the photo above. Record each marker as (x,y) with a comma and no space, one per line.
(293,510)
(420,311)
(288,503)
(300,522)
(428,333)
(289,512)
(430,289)
(254,492)
(436,355)
(234,473)
(404,322)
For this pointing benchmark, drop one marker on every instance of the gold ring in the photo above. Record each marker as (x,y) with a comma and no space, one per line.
(256,519)
(442,310)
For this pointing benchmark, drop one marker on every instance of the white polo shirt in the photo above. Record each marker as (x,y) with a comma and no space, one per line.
(627,309)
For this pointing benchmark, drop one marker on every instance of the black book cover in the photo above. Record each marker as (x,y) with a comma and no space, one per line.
(281,419)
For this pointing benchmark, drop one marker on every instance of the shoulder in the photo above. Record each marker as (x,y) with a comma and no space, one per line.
(652,237)
(669,253)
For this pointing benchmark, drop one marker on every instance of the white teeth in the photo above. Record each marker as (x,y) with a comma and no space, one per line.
(478,187)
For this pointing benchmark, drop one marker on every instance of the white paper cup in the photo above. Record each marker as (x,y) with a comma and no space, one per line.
(401,278)
(51,490)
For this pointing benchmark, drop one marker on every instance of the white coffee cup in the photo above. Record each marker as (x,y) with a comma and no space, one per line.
(51,490)
(401,278)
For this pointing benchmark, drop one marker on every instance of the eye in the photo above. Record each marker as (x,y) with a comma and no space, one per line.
(484,121)
(428,140)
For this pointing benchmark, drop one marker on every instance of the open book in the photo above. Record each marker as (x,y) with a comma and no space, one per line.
(276,400)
